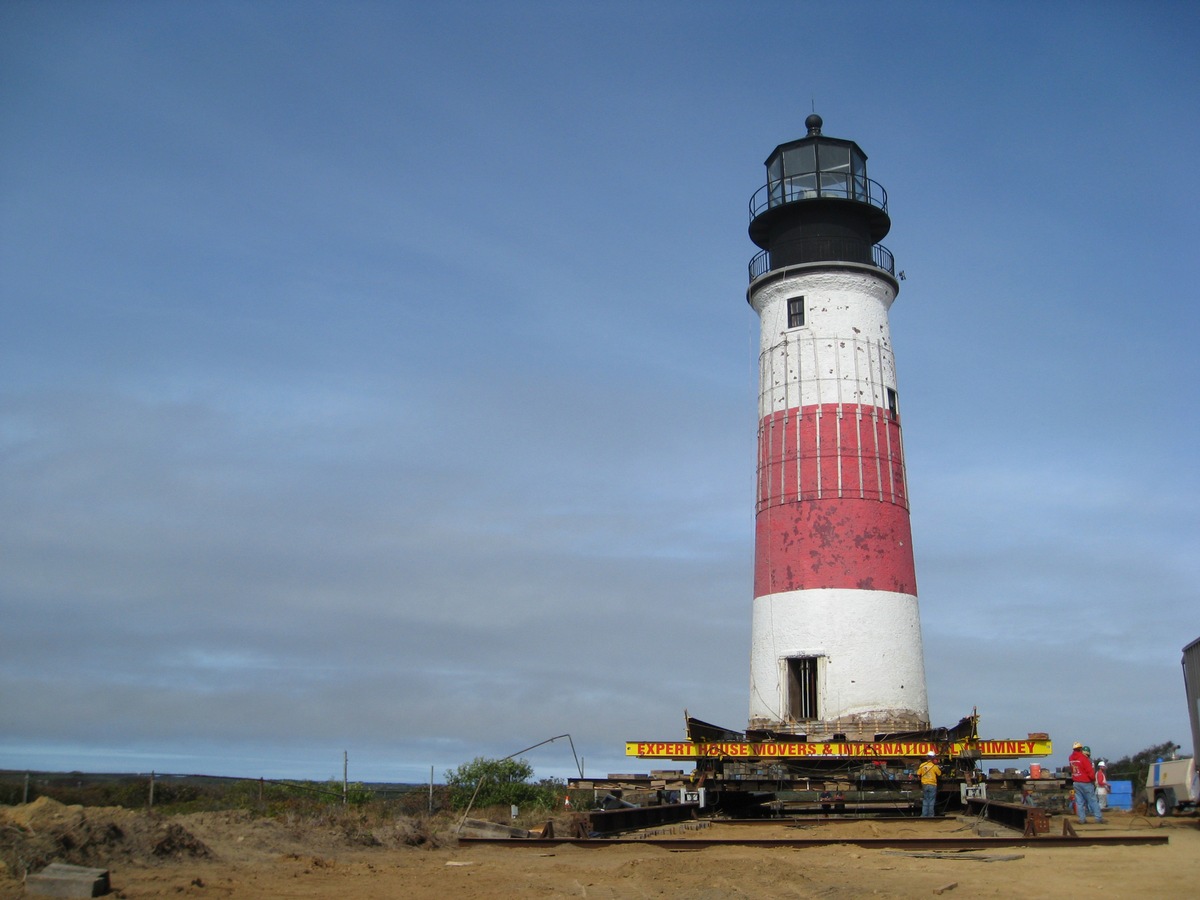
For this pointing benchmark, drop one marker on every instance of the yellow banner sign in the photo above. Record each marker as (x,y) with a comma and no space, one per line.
(834,750)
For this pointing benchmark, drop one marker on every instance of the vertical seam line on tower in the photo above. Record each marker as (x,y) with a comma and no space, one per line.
(875,425)
(758,493)
(817,419)
(787,410)
(782,451)
(764,487)
(799,356)
(837,382)
(858,443)
(888,432)
(900,449)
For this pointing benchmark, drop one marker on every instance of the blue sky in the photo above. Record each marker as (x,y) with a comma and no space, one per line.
(378,377)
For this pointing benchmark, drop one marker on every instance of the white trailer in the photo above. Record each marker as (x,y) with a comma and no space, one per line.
(1191,684)
(1172,785)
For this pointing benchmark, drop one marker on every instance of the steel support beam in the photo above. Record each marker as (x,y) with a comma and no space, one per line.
(633,818)
(1029,820)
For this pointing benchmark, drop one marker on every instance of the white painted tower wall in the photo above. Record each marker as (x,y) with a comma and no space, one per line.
(867,642)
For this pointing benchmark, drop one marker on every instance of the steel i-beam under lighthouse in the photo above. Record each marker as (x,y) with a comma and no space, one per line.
(836,636)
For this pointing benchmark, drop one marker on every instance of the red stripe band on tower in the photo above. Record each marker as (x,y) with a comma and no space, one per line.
(832,502)
(831,451)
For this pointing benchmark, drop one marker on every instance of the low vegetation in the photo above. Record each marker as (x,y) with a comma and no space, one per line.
(489,787)
(502,782)
(92,819)
(172,794)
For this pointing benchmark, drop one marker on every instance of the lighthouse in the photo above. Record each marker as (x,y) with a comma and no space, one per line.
(836,634)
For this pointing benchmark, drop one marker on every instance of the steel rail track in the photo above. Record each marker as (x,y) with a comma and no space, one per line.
(807,821)
(912,843)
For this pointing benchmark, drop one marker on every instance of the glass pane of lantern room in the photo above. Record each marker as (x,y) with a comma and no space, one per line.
(775,180)
(858,168)
(799,164)
(834,161)
(802,187)
(799,160)
(834,158)
(835,184)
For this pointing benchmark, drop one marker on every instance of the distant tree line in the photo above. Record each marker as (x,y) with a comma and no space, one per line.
(196,793)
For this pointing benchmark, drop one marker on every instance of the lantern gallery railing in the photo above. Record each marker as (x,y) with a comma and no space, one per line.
(816,185)
(822,249)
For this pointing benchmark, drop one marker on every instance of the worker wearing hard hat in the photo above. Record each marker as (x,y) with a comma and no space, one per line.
(929,774)
(1083,774)
(1102,788)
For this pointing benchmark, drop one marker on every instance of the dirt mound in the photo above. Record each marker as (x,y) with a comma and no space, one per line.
(36,834)
(45,831)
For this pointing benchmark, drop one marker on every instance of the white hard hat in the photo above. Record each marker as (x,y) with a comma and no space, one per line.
(1102,763)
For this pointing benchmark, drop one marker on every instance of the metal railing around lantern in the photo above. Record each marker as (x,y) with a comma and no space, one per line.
(816,186)
(823,249)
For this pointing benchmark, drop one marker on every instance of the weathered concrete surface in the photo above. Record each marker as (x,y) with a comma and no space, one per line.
(62,880)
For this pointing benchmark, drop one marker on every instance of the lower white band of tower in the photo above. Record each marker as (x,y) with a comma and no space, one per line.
(834,661)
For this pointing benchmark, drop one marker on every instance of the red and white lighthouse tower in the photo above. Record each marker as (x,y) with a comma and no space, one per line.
(836,637)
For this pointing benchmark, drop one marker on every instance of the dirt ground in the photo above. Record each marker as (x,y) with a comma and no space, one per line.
(233,854)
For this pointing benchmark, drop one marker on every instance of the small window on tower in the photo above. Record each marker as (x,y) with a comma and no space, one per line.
(893,404)
(795,312)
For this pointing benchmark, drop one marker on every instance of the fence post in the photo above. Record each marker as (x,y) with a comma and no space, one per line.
(345,770)
(431,790)
(25,795)
(152,790)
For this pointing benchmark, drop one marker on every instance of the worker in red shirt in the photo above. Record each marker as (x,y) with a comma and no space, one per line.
(1084,777)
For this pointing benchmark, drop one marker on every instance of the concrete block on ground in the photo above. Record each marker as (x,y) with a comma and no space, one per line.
(484,829)
(62,880)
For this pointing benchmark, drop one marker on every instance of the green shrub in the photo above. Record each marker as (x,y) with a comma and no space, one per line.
(500,782)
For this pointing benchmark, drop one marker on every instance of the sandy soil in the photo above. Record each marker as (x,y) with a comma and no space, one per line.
(221,855)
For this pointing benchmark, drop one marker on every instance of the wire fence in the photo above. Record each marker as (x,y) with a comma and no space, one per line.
(200,792)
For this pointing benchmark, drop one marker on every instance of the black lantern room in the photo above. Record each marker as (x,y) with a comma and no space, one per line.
(818,205)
